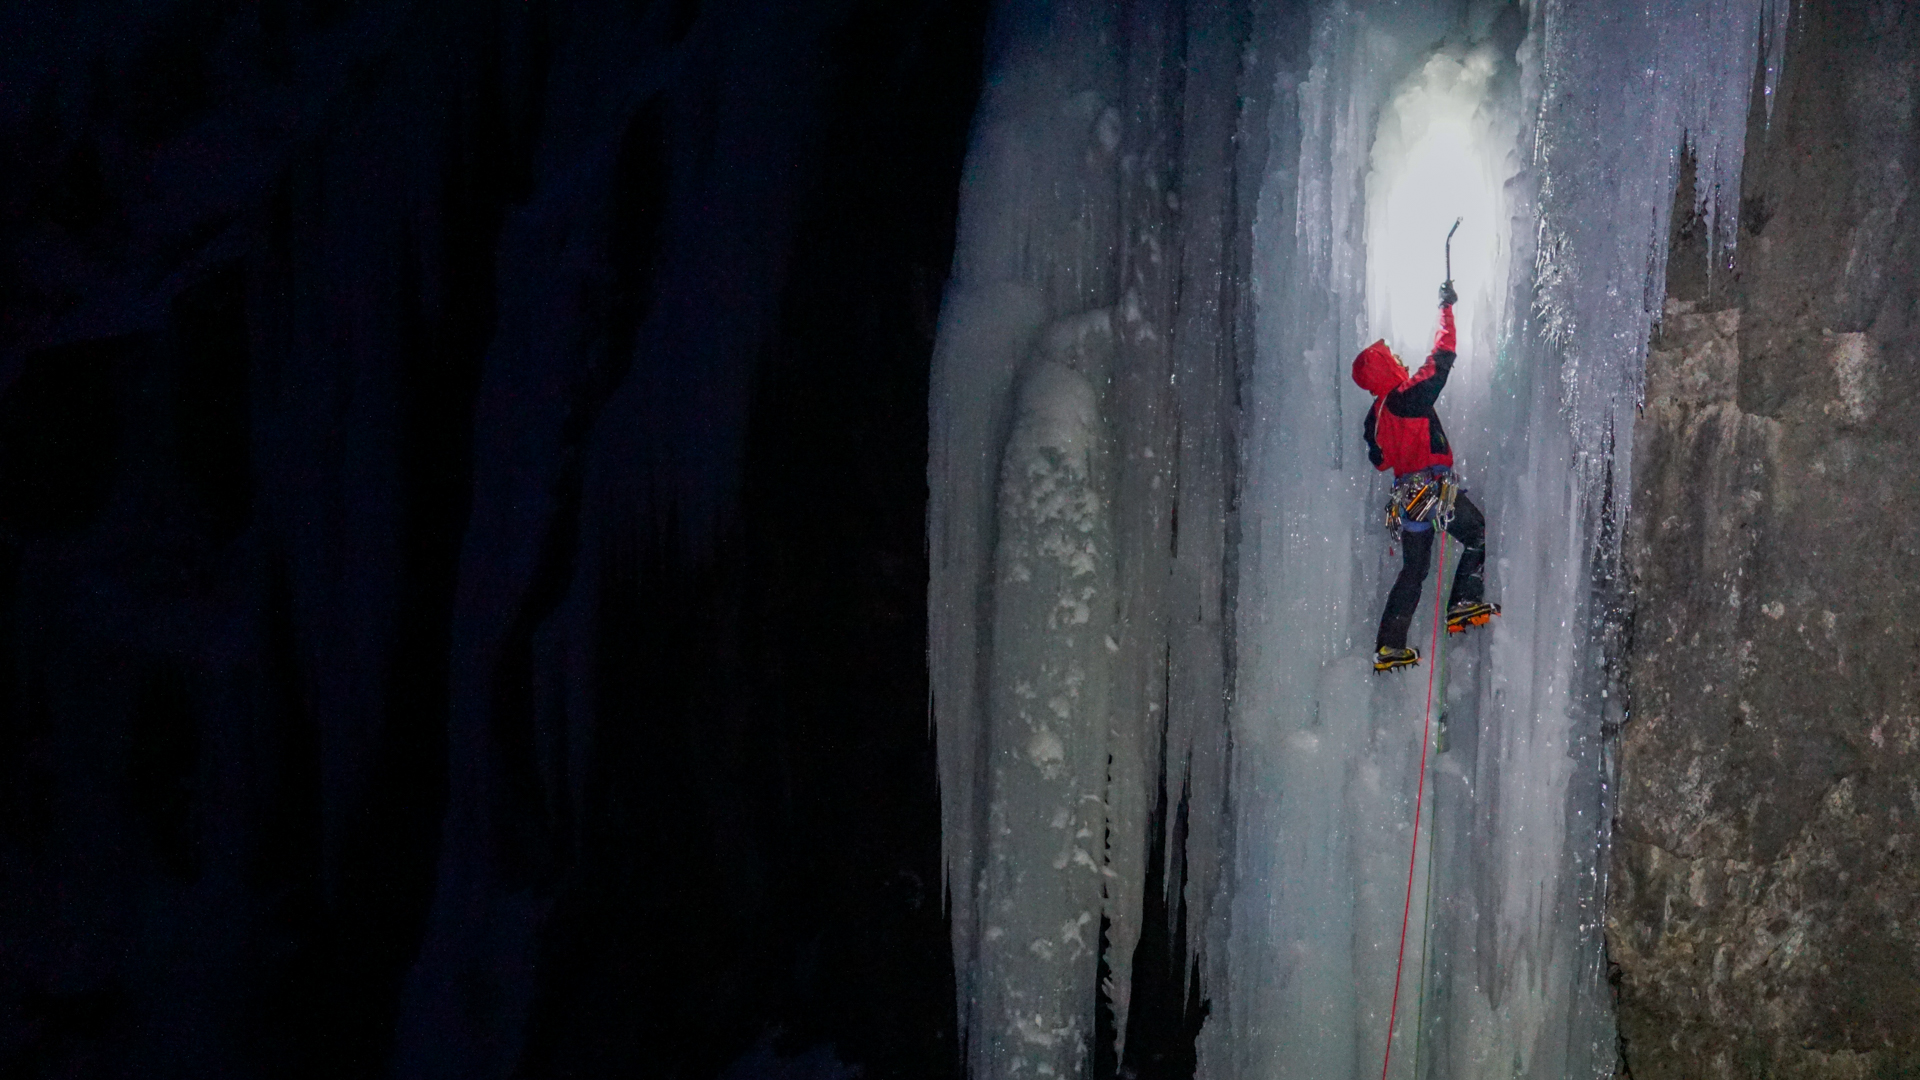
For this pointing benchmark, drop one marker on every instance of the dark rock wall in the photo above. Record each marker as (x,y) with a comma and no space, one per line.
(1764,913)
(461,534)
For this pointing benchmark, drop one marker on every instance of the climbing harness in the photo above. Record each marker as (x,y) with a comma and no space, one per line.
(1422,500)
(1413,858)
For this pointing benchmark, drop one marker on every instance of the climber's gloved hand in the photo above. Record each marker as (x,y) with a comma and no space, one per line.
(1448,297)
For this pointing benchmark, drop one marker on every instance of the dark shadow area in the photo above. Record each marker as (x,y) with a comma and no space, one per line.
(405,646)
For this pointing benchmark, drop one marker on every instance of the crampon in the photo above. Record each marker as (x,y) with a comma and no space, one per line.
(1464,615)
(1387,658)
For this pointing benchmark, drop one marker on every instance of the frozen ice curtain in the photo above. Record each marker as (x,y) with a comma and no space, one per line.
(1179,224)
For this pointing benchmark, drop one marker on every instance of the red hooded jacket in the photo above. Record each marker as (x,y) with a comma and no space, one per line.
(1403,432)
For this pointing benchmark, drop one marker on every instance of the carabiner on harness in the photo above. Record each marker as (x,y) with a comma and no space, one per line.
(1422,500)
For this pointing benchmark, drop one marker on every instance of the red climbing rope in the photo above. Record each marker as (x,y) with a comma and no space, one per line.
(1420,793)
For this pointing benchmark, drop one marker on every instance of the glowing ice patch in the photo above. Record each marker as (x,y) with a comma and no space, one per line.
(1434,160)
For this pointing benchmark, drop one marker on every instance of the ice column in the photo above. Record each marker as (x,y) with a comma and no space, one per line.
(1053,650)
(1015,409)
(1080,472)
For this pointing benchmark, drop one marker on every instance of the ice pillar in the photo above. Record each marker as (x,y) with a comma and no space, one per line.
(1049,678)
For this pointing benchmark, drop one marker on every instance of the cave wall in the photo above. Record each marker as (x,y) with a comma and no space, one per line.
(1764,911)
(461,535)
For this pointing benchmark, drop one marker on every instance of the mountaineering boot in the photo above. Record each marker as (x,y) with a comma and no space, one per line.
(1470,613)
(1386,658)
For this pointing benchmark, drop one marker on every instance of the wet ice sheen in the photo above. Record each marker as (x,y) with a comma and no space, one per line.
(1563,154)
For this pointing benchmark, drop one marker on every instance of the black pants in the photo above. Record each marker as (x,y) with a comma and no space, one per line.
(1469,581)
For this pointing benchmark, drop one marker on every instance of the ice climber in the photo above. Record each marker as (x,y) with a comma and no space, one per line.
(1404,434)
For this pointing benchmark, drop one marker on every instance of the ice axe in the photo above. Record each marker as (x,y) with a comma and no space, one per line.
(1448,287)
(1450,232)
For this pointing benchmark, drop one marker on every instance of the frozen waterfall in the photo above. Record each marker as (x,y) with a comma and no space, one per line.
(1156,550)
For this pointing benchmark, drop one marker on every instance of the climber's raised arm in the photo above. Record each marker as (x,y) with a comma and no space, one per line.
(1418,396)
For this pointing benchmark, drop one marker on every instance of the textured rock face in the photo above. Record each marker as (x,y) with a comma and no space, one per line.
(1764,912)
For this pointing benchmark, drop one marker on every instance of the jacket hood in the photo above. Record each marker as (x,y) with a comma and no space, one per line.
(1378,371)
